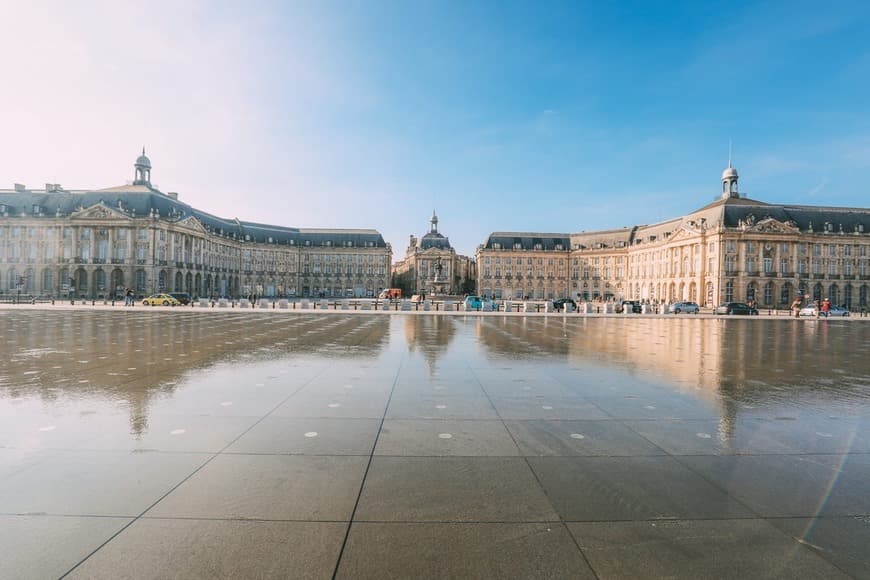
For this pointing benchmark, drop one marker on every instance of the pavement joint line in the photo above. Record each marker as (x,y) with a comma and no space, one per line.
(540,485)
(180,483)
(450,522)
(366,473)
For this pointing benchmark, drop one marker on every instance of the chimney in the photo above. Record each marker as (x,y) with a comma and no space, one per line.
(173,195)
(20,187)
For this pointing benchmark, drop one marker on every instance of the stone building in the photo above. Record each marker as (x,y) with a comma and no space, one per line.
(416,273)
(518,265)
(96,243)
(733,249)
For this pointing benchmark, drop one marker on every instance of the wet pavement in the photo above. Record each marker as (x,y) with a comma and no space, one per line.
(142,444)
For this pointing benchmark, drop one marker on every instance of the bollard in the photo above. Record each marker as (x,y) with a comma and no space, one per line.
(92,302)
(52,301)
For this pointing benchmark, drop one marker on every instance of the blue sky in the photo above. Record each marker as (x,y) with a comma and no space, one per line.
(542,116)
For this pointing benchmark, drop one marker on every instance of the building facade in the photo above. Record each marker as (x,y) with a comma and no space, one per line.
(415,274)
(95,244)
(734,249)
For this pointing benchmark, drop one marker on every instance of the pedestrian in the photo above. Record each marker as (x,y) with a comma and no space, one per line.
(129,298)
(826,307)
(796,307)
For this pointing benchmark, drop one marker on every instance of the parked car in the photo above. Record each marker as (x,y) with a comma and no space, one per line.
(559,304)
(633,304)
(476,303)
(182,297)
(160,300)
(687,307)
(736,308)
(834,311)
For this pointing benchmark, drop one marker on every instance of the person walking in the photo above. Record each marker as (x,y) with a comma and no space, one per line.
(826,307)
(796,307)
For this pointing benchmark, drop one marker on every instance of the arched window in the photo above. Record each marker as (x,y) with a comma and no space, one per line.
(750,292)
(817,292)
(729,291)
(847,296)
(862,296)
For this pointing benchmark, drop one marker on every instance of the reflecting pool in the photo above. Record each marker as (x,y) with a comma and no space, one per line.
(233,444)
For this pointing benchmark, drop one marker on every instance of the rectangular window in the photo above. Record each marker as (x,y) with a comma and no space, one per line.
(768,265)
(85,233)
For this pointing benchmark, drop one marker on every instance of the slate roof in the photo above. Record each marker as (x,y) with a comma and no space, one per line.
(434,240)
(528,240)
(140,200)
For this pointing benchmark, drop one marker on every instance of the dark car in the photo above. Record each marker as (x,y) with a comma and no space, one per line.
(561,302)
(182,297)
(736,308)
(633,304)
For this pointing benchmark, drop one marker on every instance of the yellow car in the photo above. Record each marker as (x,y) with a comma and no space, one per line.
(160,300)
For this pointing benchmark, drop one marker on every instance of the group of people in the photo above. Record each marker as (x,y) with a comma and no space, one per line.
(821,309)
(129,300)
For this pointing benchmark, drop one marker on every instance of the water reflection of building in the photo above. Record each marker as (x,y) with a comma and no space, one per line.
(96,243)
(430,336)
(733,249)
(135,358)
(724,360)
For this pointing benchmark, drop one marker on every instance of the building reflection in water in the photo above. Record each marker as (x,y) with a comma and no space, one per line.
(129,360)
(430,336)
(745,367)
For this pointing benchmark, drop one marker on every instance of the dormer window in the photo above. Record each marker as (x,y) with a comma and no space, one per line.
(539,246)
(307,242)
(496,246)
(558,246)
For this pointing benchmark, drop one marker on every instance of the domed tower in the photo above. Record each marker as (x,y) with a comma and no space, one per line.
(729,182)
(143,170)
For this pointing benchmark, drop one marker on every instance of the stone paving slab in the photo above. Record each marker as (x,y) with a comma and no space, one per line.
(268,487)
(207,549)
(452,489)
(381,550)
(60,541)
(736,549)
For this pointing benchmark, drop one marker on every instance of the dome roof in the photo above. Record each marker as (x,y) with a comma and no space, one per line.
(143,160)
(728,173)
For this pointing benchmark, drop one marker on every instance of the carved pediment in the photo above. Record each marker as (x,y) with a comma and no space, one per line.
(772,226)
(684,232)
(194,224)
(99,211)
